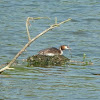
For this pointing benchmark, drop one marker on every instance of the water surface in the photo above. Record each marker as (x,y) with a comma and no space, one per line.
(82,33)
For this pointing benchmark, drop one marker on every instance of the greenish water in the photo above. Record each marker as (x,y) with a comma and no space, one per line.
(82,33)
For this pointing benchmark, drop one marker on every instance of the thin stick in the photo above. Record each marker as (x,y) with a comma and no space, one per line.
(70,53)
(28,24)
(55,20)
(30,41)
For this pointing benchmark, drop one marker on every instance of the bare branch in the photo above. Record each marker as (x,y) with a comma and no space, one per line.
(31,40)
(28,24)
(55,20)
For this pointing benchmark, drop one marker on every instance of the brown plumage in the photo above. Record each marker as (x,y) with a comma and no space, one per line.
(53,51)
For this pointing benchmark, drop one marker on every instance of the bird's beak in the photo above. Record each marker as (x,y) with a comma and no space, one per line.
(68,48)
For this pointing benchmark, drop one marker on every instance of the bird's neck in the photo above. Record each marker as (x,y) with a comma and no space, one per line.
(61,51)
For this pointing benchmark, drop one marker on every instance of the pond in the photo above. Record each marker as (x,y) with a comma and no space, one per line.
(82,34)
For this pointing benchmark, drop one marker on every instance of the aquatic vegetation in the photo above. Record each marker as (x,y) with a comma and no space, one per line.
(84,57)
(86,62)
(42,60)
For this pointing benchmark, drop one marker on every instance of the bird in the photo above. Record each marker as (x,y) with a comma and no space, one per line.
(53,51)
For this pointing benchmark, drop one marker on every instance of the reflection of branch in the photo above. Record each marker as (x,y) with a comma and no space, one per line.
(31,40)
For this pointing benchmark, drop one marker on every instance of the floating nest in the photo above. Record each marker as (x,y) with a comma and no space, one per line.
(42,60)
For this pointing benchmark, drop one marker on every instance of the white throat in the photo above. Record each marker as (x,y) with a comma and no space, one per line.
(61,51)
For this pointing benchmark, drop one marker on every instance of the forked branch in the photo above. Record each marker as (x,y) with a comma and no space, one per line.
(28,24)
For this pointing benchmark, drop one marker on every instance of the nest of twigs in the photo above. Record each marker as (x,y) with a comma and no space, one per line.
(41,60)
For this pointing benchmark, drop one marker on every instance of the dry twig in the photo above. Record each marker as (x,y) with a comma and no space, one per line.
(31,40)
(28,24)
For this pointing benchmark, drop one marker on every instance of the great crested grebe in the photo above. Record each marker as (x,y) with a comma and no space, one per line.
(53,51)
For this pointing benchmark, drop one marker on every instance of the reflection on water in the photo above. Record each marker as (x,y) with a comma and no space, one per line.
(57,82)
